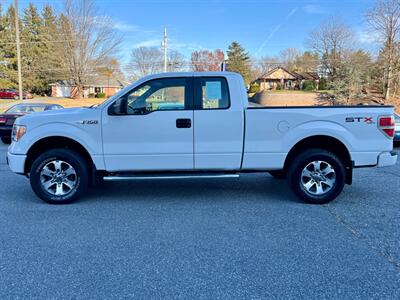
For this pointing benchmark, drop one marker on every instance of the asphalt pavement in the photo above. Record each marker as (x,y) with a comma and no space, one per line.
(246,238)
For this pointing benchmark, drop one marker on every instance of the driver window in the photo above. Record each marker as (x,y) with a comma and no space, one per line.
(160,94)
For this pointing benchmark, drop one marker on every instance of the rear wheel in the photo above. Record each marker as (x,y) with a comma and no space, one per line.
(59,176)
(316,176)
(6,140)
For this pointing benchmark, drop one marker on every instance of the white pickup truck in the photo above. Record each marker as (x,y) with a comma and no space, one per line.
(184,125)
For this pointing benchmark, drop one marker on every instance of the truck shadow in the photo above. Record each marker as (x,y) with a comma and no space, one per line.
(248,187)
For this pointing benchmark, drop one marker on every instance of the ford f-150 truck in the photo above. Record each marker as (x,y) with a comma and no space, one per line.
(184,125)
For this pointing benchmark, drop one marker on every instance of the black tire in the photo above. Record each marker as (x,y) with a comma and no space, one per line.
(81,177)
(278,174)
(6,140)
(306,158)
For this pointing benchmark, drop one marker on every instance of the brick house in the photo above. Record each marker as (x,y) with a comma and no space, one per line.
(96,84)
(285,79)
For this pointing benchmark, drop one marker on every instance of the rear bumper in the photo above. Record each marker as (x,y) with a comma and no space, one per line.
(16,162)
(387,159)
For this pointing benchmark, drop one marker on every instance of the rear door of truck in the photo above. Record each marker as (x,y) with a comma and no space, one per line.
(218,123)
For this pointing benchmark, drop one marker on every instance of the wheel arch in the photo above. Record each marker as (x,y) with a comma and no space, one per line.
(54,142)
(325,142)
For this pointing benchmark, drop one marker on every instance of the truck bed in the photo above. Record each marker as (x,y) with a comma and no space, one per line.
(271,131)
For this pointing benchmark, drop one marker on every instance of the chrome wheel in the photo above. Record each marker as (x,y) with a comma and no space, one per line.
(318,177)
(58,178)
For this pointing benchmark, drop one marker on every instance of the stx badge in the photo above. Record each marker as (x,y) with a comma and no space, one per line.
(367,120)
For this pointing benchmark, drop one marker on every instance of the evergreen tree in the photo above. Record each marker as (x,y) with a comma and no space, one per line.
(52,55)
(8,61)
(33,50)
(239,61)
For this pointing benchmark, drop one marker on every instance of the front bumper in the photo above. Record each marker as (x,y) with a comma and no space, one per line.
(387,159)
(16,162)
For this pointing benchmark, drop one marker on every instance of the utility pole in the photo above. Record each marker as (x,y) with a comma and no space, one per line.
(18,50)
(165,49)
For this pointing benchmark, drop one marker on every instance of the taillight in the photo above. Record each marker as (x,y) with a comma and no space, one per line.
(386,124)
(3,120)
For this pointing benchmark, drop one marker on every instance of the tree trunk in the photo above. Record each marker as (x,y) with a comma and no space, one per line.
(388,82)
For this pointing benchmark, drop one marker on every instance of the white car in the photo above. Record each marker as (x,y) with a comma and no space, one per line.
(180,125)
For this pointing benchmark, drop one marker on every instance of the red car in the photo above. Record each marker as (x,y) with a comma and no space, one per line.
(13,94)
(7,118)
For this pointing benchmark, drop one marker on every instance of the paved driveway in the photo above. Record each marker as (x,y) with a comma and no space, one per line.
(236,238)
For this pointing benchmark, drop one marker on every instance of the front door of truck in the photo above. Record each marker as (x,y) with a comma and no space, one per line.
(150,127)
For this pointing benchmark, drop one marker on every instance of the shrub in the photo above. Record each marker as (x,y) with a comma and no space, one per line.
(254,88)
(100,95)
(323,84)
(278,87)
(91,95)
(308,85)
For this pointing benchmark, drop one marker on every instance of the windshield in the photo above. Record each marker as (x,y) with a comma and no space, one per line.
(26,109)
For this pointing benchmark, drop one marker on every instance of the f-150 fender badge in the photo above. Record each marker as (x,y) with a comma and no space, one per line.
(88,122)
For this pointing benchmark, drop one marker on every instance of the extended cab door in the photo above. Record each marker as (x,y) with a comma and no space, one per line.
(151,127)
(218,123)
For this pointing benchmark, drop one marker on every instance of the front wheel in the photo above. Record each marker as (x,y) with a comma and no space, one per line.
(317,176)
(59,176)
(6,140)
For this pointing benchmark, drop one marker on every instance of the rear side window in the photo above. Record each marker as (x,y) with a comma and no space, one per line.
(212,93)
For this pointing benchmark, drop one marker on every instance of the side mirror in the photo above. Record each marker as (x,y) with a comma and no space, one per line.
(117,108)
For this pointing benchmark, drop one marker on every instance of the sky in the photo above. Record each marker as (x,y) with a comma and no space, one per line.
(264,28)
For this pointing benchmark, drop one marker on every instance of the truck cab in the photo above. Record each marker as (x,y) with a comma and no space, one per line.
(176,123)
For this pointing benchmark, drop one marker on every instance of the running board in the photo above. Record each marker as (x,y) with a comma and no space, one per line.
(168,176)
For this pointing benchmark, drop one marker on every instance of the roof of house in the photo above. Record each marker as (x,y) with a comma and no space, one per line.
(284,73)
(306,75)
(93,81)
(103,81)
(290,75)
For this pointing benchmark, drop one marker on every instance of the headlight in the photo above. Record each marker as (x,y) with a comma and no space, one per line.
(18,132)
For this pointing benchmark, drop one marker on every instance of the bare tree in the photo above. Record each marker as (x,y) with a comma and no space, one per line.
(288,57)
(307,62)
(384,20)
(89,40)
(145,61)
(265,64)
(112,70)
(330,40)
(176,61)
(206,60)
